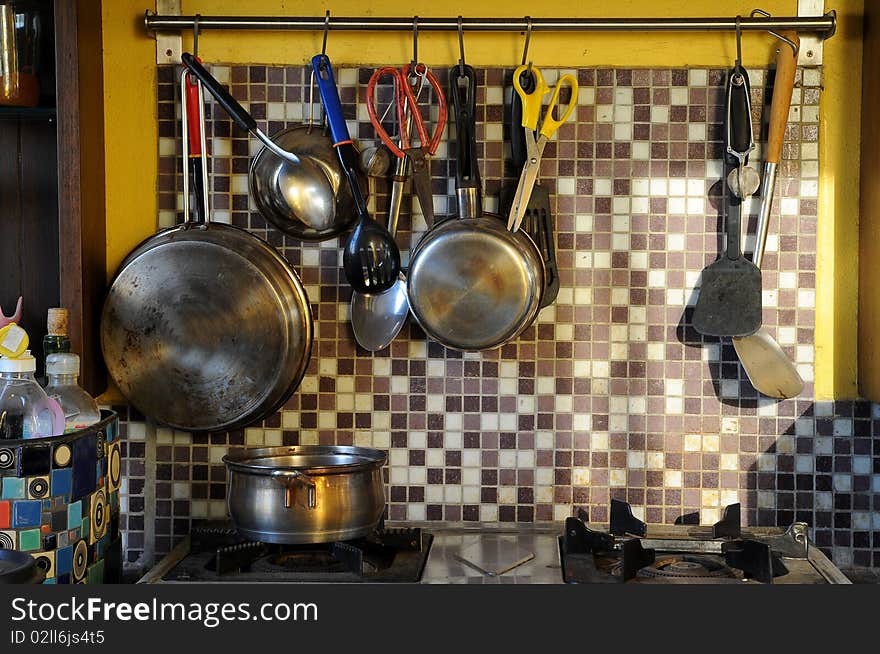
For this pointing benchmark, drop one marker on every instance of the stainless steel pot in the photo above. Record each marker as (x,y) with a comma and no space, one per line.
(305,494)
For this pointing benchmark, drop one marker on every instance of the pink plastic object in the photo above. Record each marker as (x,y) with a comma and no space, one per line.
(50,405)
(16,317)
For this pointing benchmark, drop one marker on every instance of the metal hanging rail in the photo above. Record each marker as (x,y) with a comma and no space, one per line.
(822,25)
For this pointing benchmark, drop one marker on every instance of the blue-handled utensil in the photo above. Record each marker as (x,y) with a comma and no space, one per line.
(370,260)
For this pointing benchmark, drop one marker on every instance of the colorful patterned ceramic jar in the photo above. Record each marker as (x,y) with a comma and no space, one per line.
(59,501)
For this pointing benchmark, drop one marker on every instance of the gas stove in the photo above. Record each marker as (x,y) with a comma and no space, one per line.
(721,554)
(215,551)
(624,551)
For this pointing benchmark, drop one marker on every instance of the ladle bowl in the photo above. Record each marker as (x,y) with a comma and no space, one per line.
(276,186)
(311,197)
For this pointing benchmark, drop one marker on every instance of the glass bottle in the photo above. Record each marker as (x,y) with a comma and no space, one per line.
(80,408)
(20,37)
(56,339)
(26,411)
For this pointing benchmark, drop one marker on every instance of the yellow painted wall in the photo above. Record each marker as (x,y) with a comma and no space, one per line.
(131,129)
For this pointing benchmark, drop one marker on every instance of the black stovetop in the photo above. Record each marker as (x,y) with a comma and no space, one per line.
(723,553)
(218,553)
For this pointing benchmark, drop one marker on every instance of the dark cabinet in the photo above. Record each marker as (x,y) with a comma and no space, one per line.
(52,234)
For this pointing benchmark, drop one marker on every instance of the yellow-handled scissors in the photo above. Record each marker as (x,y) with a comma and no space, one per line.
(532,103)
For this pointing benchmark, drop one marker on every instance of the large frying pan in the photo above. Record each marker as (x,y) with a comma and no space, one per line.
(472,284)
(205,326)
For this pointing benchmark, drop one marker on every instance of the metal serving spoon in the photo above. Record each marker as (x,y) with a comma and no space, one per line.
(377,318)
(308,191)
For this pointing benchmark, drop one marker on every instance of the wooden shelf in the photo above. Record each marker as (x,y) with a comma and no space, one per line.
(53,205)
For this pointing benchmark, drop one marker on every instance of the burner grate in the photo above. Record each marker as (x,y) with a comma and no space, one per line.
(596,557)
(220,553)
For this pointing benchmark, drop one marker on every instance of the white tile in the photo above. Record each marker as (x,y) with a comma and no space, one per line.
(676,206)
(678,96)
(862,465)
(710,497)
(566,186)
(693,442)
(842,427)
(766,462)
(698,77)
(842,482)
(580,477)
(623,95)
(494,95)
(604,113)
(623,114)
(729,461)
(697,132)
(659,114)
(602,186)
(635,460)
(672,478)
(641,150)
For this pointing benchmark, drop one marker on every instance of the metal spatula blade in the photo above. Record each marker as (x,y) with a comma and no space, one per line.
(730,299)
(538,214)
(729,303)
(540,228)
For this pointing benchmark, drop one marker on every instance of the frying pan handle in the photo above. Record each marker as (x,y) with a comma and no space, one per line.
(194,117)
(463,89)
(195,151)
(238,113)
(330,97)
(293,479)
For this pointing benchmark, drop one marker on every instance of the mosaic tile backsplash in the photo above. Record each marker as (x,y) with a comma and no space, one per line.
(610,393)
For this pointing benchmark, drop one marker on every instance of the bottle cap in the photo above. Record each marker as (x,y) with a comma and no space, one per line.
(13,341)
(24,363)
(57,321)
(62,364)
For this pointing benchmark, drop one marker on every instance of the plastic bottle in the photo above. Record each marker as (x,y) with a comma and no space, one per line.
(25,409)
(80,408)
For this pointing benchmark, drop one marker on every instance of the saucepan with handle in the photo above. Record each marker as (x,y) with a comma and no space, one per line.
(305,493)
(472,283)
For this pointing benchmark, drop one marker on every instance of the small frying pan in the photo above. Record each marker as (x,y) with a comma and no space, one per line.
(473,284)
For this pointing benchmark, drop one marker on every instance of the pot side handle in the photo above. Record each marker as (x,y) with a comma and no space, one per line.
(293,479)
